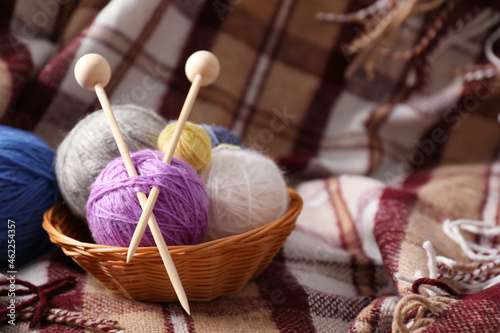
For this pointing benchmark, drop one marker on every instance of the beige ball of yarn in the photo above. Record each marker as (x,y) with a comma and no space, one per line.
(90,146)
(246,190)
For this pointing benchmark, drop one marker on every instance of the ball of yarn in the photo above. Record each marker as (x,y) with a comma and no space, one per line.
(221,135)
(194,145)
(28,187)
(246,190)
(181,209)
(90,146)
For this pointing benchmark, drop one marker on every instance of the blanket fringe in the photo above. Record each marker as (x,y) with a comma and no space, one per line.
(28,311)
(384,18)
(414,312)
(471,277)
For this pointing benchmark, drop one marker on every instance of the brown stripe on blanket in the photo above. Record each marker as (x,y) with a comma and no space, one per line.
(334,270)
(81,16)
(130,56)
(377,118)
(259,75)
(347,231)
(93,4)
(313,125)
(334,306)
(201,37)
(458,191)
(306,45)
(457,121)
(244,33)
(286,298)
(116,40)
(249,22)
(363,275)
(5,89)
(245,311)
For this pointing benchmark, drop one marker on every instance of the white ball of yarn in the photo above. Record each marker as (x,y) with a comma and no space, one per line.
(246,190)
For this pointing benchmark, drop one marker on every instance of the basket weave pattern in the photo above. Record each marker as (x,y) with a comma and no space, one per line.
(208,270)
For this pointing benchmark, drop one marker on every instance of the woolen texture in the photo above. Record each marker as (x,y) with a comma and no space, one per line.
(181,210)
(194,146)
(90,146)
(28,187)
(246,190)
(220,135)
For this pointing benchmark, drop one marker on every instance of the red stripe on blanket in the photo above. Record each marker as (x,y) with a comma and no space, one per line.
(416,180)
(391,221)
(374,317)
(167,317)
(36,99)
(18,59)
(476,313)
(286,298)
(369,321)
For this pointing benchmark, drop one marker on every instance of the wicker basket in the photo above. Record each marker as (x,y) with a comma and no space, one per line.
(207,270)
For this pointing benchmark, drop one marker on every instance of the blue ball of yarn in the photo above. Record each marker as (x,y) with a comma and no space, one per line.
(28,188)
(220,135)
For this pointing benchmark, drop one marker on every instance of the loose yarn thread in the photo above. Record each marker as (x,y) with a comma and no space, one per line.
(181,210)
(453,229)
(28,188)
(246,190)
(90,146)
(194,145)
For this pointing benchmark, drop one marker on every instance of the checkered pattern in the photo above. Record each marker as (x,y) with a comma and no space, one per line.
(425,124)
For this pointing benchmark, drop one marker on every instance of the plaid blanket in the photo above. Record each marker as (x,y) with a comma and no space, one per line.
(382,113)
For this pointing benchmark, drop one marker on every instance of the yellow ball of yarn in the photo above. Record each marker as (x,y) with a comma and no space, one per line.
(194,145)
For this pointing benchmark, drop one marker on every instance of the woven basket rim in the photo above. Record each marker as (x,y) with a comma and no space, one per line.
(294,210)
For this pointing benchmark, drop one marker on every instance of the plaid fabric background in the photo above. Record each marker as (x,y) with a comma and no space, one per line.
(282,86)
(424,123)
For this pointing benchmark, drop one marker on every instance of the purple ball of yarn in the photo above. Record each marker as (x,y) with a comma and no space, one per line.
(181,210)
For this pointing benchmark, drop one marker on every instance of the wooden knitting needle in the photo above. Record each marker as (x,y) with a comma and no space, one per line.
(93,72)
(202,69)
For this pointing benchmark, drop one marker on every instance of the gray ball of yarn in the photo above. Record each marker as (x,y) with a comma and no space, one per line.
(90,146)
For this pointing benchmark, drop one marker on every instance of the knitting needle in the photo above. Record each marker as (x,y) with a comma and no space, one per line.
(202,69)
(93,72)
